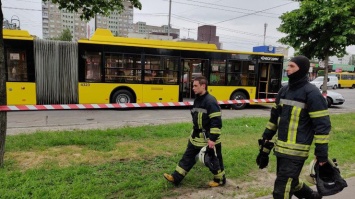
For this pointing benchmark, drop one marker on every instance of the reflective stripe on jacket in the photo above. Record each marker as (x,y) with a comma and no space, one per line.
(207,121)
(299,117)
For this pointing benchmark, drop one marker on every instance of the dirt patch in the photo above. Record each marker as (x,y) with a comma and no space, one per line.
(235,189)
(64,156)
(238,189)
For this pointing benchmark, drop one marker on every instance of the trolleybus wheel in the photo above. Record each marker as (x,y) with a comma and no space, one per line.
(239,96)
(122,96)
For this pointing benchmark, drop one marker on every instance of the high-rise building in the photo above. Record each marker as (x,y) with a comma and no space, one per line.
(54,21)
(120,24)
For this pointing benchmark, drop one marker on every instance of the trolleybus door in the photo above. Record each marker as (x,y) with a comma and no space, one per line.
(191,68)
(269,80)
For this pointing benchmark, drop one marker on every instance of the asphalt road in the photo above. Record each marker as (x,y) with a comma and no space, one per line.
(52,120)
(32,121)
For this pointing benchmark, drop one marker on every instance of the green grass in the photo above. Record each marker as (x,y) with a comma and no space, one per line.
(129,162)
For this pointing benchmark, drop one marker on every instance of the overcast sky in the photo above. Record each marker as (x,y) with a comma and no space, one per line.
(240,23)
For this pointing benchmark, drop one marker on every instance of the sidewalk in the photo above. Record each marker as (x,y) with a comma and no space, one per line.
(347,193)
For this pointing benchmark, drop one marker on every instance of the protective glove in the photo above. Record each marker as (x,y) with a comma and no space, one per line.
(262,160)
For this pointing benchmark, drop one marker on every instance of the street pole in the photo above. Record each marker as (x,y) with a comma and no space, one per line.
(95,21)
(265,25)
(169,18)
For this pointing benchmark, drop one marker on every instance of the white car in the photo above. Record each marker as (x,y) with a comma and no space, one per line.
(332,82)
(334,98)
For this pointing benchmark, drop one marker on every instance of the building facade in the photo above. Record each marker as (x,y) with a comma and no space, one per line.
(120,24)
(143,28)
(54,21)
(208,33)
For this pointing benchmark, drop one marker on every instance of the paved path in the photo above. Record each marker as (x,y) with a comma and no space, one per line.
(32,121)
(347,193)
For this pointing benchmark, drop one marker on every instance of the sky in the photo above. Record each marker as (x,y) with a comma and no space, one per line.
(240,23)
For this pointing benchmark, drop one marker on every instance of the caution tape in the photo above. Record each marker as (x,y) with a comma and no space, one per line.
(118,106)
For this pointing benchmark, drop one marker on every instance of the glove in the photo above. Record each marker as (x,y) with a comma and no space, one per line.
(262,160)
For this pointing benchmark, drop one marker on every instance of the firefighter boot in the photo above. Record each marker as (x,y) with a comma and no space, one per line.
(307,193)
(173,178)
(169,177)
(217,182)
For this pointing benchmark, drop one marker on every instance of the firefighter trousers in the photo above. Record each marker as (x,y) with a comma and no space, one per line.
(188,160)
(287,178)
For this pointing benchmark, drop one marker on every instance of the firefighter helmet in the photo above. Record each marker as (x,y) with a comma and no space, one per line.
(327,177)
(208,157)
(201,155)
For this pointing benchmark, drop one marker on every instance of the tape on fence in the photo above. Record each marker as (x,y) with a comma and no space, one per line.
(118,106)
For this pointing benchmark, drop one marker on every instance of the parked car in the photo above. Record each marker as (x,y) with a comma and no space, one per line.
(332,82)
(334,98)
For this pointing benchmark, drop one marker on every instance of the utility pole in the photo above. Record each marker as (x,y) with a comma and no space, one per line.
(95,21)
(169,18)
(265,25)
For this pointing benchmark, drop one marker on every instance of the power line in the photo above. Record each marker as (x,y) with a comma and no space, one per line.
(223,28)
(224,8)
(27,1)
(253,13)
(236,8)
(21,8)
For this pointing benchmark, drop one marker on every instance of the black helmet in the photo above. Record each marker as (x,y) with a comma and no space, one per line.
(327,177)
(208,157)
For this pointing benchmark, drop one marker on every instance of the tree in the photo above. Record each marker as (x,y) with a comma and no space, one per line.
(87,9)
(320,29)
(64,36)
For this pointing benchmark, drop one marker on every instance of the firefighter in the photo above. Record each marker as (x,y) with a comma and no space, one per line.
(299,117)
(207,124)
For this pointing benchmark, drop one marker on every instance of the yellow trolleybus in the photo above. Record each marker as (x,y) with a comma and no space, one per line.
(108,69)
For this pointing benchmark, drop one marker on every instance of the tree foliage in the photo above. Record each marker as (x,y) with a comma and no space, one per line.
(64,36)
(320,28)
(87,9)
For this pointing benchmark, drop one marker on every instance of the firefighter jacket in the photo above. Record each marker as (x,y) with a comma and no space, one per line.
(299,116)
(206,119)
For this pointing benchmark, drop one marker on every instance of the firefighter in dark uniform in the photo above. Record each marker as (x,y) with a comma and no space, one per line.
(207,124)
(300,116)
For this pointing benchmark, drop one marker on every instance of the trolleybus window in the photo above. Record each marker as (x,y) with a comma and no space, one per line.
(160,70)
(92,66)
(217,76)
(17,65)
(122,68)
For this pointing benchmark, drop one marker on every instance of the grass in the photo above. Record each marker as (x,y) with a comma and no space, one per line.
(129,162)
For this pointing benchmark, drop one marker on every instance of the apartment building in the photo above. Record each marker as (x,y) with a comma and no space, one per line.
(54,21)
(120,24)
